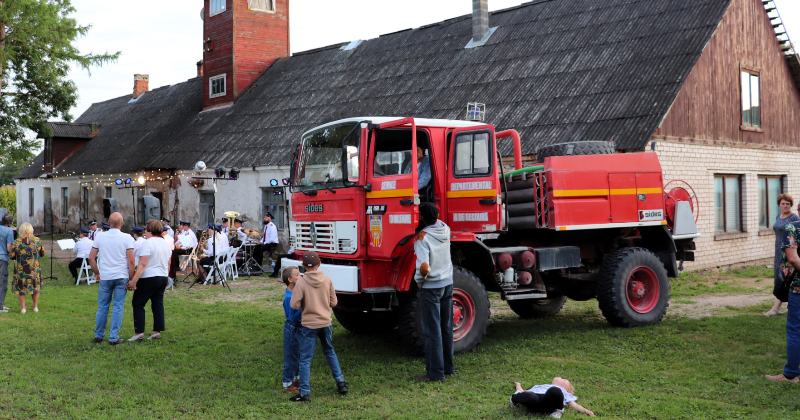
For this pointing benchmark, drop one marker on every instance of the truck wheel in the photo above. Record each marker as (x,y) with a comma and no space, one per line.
(471,311)
(588,147)
(537,308)
(633,288)
(367,322)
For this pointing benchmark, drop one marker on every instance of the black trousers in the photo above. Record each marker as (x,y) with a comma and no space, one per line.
(260,249)
(74,266)
(152,289)
(548,402)
(175,262)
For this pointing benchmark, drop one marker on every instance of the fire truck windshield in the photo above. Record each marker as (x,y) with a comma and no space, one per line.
(321,155)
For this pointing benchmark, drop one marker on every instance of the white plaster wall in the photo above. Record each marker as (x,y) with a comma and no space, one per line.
(697,165)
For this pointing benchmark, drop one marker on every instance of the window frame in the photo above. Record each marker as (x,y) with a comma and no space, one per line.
(258,9)
(209,208)
(48,152)
(109,192)
(212,12)
(279,220)
(490,157)
(743,125)
(770,201)
(64,201)
(725,204)
(211,81)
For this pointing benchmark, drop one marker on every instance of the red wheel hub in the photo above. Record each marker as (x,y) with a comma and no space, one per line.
(463,314)
(642,290)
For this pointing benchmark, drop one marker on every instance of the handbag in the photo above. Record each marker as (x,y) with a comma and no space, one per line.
(786,284)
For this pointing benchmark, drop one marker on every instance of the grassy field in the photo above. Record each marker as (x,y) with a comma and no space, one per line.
(221,357)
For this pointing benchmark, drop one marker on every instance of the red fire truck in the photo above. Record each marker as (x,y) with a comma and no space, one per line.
(585,223)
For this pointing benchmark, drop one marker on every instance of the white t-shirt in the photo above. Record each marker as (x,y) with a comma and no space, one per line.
(170,240)
(159,252)
(137,249)
(83,247)
(112,247)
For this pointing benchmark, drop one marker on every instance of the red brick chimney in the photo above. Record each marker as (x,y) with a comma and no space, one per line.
(200,68)
(241,39)
(141,84)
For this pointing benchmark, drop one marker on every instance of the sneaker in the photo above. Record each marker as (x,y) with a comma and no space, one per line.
(35,309)
(23,311)
(425,378)
(291,389)
(342,387)
(3,311)
(154,336)
(97,340)
(782,378)
(6,307)
(137,337)
(300,398)
(118,341)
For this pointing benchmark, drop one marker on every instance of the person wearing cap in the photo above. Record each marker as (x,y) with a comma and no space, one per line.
(268,243)
(93,229)
(223,237)
(170,240)
(434,276)
(185,241)
(225,225)
(166,227)
(240,235)
(6,239)
(214,246)
(314,293)
(81,250)
(138,239)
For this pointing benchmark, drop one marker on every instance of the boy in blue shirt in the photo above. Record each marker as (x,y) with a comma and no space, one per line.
(291,347)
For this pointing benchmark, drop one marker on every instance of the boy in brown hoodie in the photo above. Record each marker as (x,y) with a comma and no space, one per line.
(314,293)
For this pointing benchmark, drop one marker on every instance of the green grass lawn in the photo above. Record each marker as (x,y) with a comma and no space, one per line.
(221,357)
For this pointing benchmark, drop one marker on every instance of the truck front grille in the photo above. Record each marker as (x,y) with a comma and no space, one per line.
(315,236)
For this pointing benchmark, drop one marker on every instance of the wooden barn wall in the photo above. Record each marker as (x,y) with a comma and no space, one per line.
(708,108)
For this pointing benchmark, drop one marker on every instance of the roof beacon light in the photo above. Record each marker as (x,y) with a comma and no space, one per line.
(220,172)
(234,173)
(476,111)
(118,181)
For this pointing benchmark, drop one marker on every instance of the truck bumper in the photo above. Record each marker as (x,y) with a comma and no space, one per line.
(344,277)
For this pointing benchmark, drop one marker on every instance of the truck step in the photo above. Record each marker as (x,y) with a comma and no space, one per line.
(384,289)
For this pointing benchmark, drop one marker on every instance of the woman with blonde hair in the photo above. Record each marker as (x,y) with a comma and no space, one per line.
(26,251)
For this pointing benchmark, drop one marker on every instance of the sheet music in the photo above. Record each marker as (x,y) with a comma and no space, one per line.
(66,243)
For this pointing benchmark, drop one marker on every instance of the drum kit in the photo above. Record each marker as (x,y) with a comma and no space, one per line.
(244,258)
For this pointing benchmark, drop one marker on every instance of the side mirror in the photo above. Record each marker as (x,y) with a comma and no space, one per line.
(293,166)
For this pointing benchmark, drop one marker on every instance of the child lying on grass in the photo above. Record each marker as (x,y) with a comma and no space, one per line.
(548,399)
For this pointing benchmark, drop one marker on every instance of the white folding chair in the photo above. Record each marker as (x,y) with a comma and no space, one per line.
(232,266)
(85,273)
(210,269)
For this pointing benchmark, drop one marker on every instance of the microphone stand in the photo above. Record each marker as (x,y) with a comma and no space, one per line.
(52,240)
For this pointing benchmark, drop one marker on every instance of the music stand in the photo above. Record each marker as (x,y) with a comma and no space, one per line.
(191,262)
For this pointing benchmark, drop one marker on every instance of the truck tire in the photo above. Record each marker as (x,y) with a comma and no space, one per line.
(471,311)
(633,288)
(537,308)
(367,322)
(588,147)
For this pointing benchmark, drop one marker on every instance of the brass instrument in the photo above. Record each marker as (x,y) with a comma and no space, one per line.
(201,245)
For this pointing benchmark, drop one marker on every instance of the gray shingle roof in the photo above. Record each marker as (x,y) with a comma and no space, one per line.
(556,70)
(71,130)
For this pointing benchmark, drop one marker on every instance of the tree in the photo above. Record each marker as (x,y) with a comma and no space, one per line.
(36,51)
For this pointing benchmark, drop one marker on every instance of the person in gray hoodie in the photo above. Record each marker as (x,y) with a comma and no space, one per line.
(434,276)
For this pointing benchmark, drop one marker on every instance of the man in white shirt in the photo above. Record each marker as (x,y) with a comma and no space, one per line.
(138,239)
(113,272)
(185,241)
(165,222)
(268,243)
(237,224)
(82,249)
(225,228)
(93,229)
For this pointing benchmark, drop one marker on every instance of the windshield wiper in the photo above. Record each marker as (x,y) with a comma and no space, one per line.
(327,177)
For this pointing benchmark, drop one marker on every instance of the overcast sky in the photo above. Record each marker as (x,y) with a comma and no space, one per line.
(163,38)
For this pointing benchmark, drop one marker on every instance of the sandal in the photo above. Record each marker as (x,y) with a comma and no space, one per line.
(772,312)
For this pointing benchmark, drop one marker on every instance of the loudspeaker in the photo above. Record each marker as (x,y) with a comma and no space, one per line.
(109,206)
(152,208)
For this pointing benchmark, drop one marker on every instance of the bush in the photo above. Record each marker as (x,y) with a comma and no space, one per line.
(8,199)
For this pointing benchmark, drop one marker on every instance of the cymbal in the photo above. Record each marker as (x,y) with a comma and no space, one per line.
(251,232)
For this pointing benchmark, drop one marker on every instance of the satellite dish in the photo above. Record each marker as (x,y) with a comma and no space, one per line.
(202,13)
(200,166)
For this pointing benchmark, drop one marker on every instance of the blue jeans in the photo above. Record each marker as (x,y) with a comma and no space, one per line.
(291,353)
(792,368)
(308,342)
(437,325)
(110,290)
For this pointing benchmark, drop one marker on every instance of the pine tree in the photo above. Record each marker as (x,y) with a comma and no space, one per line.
(36,51)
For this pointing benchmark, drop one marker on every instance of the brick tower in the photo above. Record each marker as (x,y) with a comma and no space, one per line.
(241,39)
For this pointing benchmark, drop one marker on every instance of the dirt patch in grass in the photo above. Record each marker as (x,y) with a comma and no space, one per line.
(254,290)
(701,306)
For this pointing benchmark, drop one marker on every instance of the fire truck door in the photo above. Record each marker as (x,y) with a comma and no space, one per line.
(473,201)
(622,197)
(391,210)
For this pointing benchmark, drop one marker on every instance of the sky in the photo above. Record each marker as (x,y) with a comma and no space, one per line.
(163,38)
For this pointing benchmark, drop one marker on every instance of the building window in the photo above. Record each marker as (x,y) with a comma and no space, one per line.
(48,152)
(261,5)
(273,201)
(30,202)
(216,86)
(108,192)
(206,208)
(64,202)
(769,188)
(85,210)
(217,7)
(751,99)
(727,203)
(472,154)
